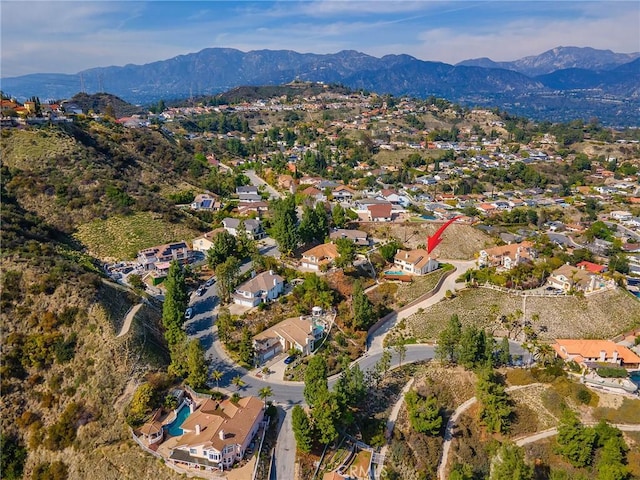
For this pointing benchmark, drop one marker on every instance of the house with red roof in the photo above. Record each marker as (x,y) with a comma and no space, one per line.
(592,267)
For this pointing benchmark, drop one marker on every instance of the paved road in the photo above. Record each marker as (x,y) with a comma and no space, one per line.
(562,239)
(258,182)
(285,452)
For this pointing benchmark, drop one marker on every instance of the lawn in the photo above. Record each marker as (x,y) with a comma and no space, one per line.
(602,315)
(121,237)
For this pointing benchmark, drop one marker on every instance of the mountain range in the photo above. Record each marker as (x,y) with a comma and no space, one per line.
(561,84)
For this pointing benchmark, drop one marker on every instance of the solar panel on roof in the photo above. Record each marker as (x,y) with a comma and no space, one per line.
(206,204)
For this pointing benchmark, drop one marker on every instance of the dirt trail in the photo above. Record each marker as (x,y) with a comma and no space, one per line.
(128,319)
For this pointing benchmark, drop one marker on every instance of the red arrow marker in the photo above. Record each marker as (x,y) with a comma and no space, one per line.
(434,240)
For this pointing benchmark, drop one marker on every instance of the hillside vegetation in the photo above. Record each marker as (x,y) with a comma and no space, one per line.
(63,368)
(601,315)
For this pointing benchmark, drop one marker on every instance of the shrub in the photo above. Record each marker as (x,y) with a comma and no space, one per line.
(14,455)
(50,471)
(62,433)
(612,372)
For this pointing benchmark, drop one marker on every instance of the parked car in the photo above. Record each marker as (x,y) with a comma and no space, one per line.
(289,359)
(188,314)
(201,291)
(210,282)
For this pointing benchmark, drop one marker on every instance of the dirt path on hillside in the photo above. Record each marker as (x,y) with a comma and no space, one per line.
(128,319)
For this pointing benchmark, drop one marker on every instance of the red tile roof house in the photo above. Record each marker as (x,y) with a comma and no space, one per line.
(154,257)
(263,287)
(592,267)
(568,277)
(217,434)
(596,351)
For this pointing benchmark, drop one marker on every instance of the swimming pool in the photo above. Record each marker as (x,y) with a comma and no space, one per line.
(395,272)
(173,428)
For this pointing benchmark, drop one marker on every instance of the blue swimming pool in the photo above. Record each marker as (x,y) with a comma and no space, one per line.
(394,272)
(173,428)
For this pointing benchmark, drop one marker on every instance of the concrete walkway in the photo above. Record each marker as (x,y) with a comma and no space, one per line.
(393,416)
(448,433)
(128,319)
(534,437)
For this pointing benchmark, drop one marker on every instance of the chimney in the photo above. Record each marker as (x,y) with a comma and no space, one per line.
(615,356)
(603,356)
(191,407)
(221,434)
(197,429)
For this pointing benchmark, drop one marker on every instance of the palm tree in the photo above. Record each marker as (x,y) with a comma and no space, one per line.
(544,354)
(217,376)
(238,382)
(265,393)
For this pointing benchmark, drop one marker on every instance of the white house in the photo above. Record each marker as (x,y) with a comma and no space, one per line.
(261,288)
(417,262)
(252,227)
(299,333)
(620,215)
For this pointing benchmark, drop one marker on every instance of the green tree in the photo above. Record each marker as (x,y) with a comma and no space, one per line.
(136,282)
(284,224)
(314,226)
(301,429)
(338,216)
(495,406)
(227,274)
(224,246)
(400,348)
(50,471)
(326,415)
(574,441)
(13,455)
(472,348)
(461,472)
(424,413)
(388,251)
(346,251)
(509,464)
(238,382)
(315,379)
(504,355)
(447,347)
(217,376)
(350,389)
(196,364)
(264,393)
(245,348)
(362,308)
(175,303)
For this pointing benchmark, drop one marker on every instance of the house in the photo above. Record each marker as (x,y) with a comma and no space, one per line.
(620,215)
(592,267)
(217,433)
(358,237)
(159,257)
(247,189)
(263,287)
(299,333)
(507,256)
(343,193)
(317,257)
(205,242)
(252,227)
(380,212)
(417,262)
(246,208)
(596,351)
(568,277)
(207,202)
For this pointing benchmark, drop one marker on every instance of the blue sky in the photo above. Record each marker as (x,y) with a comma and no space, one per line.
(69,36)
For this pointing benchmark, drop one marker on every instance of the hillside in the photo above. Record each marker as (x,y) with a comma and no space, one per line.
(105,103)
(74,174)
(63,369)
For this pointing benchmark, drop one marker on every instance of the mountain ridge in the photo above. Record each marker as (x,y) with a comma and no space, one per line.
(215,70)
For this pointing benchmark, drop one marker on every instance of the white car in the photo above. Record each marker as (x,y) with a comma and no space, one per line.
(188,314)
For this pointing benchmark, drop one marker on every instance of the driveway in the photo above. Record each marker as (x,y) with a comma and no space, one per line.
(258,182)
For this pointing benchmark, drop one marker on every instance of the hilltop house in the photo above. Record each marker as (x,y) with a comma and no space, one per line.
(299,333)
(506,256)
(205,241)
(417,262)
(252,227)
(316,257)
(568,277)
(596,351)
(158,258)
(263,287)
(217,434)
